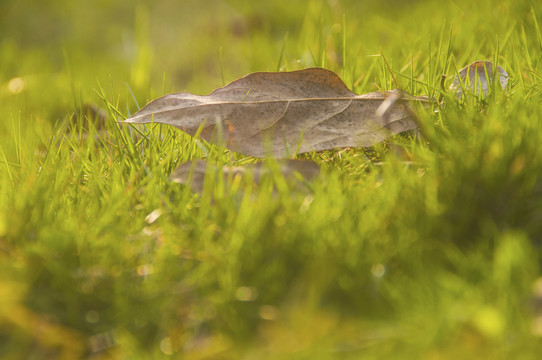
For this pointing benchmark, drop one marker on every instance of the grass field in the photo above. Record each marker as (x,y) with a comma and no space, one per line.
(419,248)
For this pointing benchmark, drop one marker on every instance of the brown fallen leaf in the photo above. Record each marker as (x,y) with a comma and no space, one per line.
(284,113)
(473,78)
(192,173)
(88,114)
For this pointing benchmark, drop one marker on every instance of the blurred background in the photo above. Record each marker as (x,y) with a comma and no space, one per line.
(55,53)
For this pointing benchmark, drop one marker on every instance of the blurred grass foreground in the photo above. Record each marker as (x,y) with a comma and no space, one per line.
(419,248)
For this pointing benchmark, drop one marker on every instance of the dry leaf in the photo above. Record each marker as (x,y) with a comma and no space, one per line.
(88,114)
(284,113)
(193,173)
(473,78)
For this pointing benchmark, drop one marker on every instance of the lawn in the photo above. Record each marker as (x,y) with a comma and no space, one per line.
(421,247)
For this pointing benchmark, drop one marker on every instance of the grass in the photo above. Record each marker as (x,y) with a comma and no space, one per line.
(430,252)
